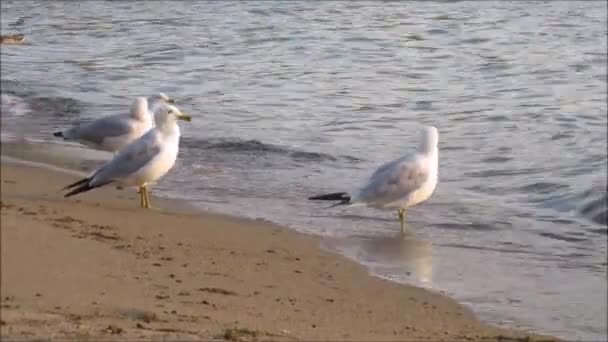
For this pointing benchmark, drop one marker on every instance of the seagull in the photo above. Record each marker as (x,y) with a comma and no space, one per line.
(155,101)
(398,184)
(142,162)
(111,133)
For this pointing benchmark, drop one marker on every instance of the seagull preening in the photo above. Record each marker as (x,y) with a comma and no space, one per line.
(398,184)
(142,162)
(111,133)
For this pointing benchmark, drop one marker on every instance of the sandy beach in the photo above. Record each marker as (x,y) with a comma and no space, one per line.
(98,267)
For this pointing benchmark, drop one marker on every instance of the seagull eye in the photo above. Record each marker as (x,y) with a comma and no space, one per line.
(170,111)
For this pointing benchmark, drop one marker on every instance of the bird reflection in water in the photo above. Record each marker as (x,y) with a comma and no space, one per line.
(405,256)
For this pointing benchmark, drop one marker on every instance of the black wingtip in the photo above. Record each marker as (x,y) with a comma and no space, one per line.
(336,196)
(80,182)
(58,134)
(82,188)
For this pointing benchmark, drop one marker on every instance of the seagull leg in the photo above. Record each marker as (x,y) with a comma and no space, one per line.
(142,200)
(401,213)
(119,186)
(147,197)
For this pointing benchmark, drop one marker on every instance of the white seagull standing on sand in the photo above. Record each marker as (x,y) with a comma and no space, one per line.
(111,133)
(142,162)
(400,183)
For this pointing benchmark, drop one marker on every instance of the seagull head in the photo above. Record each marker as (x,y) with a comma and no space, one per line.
(167,114)
(161,97)
(139,109)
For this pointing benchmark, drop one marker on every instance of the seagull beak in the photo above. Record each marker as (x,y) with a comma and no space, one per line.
(185,117)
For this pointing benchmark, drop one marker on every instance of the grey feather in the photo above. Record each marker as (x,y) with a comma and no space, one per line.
(129,160)
(393,181)
(98,130)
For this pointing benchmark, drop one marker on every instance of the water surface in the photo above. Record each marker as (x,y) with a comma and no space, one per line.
(295,98)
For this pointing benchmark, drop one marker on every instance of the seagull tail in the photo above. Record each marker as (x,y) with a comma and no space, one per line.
(81,188)
(343,197)
(80,182)
(82,185)
(59,134)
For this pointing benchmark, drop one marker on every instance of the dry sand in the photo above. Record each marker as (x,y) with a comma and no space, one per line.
(98,267)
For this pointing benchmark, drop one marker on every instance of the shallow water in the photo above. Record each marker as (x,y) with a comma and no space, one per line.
(294,98)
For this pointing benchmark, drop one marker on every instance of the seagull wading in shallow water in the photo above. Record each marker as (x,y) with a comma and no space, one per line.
(111,133)
(398,184)
(142,162)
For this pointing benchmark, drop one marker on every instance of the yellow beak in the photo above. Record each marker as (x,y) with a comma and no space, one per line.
(185,117)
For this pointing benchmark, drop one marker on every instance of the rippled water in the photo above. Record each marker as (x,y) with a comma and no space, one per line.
(295,98)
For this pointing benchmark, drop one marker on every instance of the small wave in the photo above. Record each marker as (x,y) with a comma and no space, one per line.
(13,106)
(475,40)
(542,188)
(601,231)
(255,147)
(443,17)
(503,172)
(591,204)
(40,104)
(476,226)
(56,106)
(597,210)
(496,159)
(515,249)
(561,237)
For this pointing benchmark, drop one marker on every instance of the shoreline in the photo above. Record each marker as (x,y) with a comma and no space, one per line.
(252,279)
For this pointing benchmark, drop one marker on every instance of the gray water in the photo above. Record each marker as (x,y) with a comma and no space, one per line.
(292,99)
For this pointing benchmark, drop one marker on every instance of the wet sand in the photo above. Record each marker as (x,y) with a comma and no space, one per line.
(98,267)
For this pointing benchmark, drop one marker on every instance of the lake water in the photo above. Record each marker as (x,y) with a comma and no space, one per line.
(291,99)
